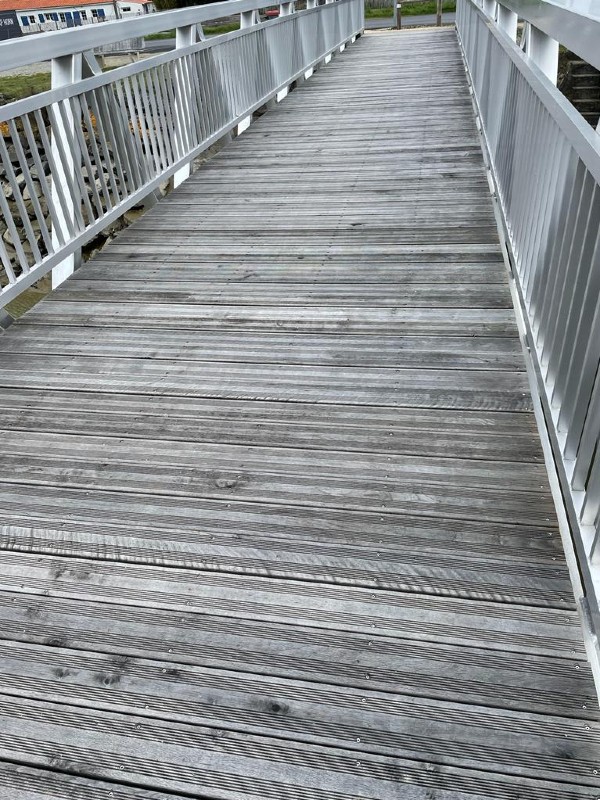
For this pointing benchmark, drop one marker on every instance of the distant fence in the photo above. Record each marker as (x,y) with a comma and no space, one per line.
(126,46)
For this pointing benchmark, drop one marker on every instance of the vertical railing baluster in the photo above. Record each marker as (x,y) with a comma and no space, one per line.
(547,185)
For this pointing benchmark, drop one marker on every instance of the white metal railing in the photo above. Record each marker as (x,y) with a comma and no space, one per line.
(545,161)
(75,158)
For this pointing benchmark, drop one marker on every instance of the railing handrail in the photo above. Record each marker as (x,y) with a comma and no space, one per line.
(56,44)
(104,143)
(27,104)
(573,23)
(582,137)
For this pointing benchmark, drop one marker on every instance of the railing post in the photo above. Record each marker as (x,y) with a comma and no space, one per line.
(398,10)
(64,71)
(489,6)
(438,18)
(247,20)
(285,9)
(543,50)
(508,20)
(310,4)
(184,37)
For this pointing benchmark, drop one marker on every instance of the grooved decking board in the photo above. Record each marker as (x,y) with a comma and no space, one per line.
(478,389)
(488,435)
(487,624)
(274,516)
(414,296)
(26,783)
(457,352)
(315,319)
(329,715)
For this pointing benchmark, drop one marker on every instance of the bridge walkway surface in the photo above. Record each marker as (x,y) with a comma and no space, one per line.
(276,521)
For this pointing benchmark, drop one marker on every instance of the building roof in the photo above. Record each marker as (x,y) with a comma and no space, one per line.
(40,5)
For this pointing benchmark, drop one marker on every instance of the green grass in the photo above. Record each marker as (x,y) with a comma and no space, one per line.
(163,35)
(411,9)
(215,30)
(14,87)
(209,30)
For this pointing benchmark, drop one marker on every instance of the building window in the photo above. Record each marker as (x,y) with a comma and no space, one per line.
(62,17)
(32,20)
(126,8)
(84,14)
(25,21)
(41,17)
(94,12)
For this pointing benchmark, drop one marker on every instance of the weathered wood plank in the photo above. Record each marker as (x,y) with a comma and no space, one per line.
(175,756)
(376,429)
(225,601)
(455,352)
(339,319)
(524,681)
(412,296)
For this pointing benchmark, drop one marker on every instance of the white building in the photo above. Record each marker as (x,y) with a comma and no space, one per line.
(35,16)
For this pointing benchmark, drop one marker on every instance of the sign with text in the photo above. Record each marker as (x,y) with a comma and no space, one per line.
(9,26)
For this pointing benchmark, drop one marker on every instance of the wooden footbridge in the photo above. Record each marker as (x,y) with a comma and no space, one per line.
(277,520)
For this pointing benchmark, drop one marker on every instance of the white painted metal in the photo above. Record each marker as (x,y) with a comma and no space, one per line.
(184,37)
(543,49)
(17,52)
(65,71)
(507,21)
(574,23)
(104,143)
(249,18)
(545,161)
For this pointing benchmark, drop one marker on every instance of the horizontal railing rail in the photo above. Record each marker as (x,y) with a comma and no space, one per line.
(76,158)
(545,161)
(57,44)
(573,23)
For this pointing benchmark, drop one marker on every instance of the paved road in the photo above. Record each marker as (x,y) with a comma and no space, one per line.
(407,21)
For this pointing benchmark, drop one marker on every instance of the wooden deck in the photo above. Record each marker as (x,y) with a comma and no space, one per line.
(275,518)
